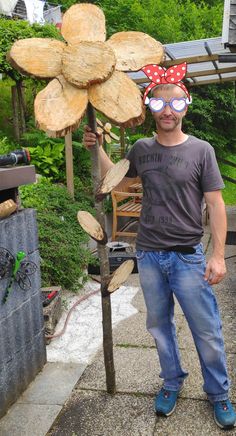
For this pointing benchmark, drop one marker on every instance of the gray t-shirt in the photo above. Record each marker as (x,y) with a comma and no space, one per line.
(174,180)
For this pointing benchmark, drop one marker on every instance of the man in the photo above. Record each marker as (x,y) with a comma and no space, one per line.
(178,171)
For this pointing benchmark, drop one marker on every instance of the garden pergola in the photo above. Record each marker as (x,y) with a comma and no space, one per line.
(209,61)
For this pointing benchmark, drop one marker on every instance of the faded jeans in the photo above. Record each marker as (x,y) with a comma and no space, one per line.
(162,275)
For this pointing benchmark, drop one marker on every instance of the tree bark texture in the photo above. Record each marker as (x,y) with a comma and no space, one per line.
(16,124)
(104,265)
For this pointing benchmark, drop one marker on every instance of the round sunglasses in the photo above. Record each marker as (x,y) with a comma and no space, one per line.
(176,104)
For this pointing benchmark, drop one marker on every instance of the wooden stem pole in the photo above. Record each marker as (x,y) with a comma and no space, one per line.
(104,264)
(15,112)
(69,164)
(122,142)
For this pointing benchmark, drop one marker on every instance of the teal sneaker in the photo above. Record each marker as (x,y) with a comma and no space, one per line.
(224,414)
(165,402)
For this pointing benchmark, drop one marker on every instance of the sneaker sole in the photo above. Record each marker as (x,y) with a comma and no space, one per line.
(159,413)
(224,427)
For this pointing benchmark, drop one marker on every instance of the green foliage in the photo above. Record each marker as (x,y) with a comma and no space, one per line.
(62,241)
(212,115)
(12,30)
(229,193)
(168,22)
(47,154)
(5,145)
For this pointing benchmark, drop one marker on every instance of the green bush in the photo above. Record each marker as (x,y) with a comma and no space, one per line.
(47,154)
(62,242)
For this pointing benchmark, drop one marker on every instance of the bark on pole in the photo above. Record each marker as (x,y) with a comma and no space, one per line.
(122,142)
(15,112)
(21,105)
(69,164)
(104,265)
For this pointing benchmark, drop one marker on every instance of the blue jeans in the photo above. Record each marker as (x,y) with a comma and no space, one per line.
(162,275)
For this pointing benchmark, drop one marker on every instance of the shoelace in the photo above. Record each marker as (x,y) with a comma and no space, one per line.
(166,394)
(224,406)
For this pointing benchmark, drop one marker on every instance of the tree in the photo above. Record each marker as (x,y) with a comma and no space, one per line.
(10,31)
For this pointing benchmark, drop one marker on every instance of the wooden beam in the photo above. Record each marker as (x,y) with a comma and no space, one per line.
(211,72)
(191,60)
(210,82)
(196,74)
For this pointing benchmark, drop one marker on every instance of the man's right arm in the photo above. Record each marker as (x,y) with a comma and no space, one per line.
(89,140)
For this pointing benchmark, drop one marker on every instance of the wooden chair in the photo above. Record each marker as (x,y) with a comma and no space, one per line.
(126,203)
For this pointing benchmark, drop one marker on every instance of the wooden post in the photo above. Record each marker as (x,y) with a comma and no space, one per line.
(122,142)
(15,112)
(69,164)
(21,106)
(104,265)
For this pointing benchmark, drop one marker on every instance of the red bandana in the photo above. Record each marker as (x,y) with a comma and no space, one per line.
(160,75)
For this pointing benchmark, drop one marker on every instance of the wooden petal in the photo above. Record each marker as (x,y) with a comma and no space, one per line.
(134,50)
(88,63)
(120,275)
(112,178)
(107,138)
(107,127)
(114,136)
(83,22)
(60,107)
(99,122)
(92,227)
(39,57)
(119,99)
(100,130)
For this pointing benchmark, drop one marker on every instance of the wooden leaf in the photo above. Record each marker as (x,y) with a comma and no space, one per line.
(112,178)
(39,57)
(119,99)
(107,138)
(114,136)
(60,107)
(107,127)
(120,275)
(83,22)
(7,208)
(88,63)
(99,122)
(134,50)
(100,130)
(92,227)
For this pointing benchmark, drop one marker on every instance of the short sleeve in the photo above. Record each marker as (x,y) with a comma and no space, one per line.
(211,179)
(132,171)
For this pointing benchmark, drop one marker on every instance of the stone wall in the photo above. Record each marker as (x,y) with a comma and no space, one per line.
(22,344)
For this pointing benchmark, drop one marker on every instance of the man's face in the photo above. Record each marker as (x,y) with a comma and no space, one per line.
(167,119)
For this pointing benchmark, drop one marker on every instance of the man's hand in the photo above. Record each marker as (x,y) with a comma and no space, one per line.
(89,138)
(215,270)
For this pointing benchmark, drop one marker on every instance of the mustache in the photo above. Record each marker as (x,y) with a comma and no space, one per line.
(170,117)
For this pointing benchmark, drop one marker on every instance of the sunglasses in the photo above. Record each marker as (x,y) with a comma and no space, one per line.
(176,104)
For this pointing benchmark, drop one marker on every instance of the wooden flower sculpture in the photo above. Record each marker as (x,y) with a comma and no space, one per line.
(86,68)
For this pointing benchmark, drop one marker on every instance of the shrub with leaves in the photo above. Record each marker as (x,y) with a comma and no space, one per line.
(62,242)
(47,154)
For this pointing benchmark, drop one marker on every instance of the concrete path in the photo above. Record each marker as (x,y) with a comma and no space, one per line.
(89,410)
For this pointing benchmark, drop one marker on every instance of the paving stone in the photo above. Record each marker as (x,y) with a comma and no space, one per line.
(99,414)
(191,418)
(28,420)
(132,331)
(137,370)
(53,385)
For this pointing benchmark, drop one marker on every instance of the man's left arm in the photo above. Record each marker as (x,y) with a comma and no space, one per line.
(216,269)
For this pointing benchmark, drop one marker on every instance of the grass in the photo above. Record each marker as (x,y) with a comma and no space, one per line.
(229,193)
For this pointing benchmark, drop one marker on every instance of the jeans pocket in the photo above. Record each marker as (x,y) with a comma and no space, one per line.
(140,254)
(195,258)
